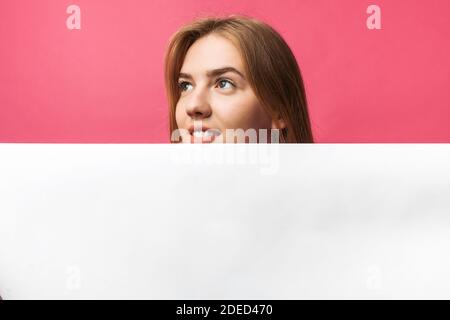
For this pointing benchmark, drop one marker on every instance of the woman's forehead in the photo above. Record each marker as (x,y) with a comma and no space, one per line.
(210,53)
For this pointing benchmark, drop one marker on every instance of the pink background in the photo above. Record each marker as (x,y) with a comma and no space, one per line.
(104,83)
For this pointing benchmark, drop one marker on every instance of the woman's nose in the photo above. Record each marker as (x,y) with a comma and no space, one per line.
(199,107)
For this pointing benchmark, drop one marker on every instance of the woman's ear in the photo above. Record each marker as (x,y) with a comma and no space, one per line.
(278,123)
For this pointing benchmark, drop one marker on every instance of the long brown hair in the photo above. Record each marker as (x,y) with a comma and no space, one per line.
(271,69)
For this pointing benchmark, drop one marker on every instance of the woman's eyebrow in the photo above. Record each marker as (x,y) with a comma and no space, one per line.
(214,73)
(218,72)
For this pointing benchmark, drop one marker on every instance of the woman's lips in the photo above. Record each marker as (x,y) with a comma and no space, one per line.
(202,140)
(203,134)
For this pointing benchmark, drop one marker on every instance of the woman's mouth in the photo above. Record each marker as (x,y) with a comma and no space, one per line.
(203,134)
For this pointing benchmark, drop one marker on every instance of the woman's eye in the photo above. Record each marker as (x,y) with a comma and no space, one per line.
(184,86)
(225,84)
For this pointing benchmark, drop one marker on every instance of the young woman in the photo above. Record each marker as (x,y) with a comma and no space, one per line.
(234,80)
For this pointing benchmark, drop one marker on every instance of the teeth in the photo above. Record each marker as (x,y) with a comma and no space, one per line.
(208,133)
(198,134)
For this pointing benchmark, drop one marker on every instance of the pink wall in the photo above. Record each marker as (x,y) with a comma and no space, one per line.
(104,83)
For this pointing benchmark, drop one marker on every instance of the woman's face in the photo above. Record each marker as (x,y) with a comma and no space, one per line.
(216,96)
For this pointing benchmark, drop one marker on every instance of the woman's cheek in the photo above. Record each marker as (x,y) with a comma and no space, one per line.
(229,117)
(231,111)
